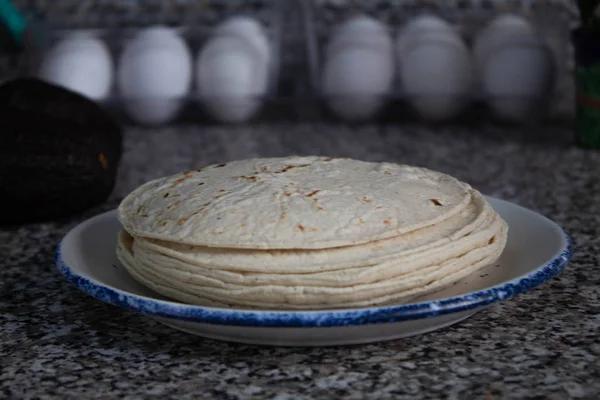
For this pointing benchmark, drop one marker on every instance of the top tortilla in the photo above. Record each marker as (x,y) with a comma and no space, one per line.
(291,203)
(477,214)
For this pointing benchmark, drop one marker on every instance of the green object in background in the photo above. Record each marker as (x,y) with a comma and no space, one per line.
(12,20)
(586,41)
(587,83)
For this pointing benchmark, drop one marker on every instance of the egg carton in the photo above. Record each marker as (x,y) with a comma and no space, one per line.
(201,19)
(298,31)
(550,19)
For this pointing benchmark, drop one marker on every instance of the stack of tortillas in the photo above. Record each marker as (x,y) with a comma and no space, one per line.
(306,233)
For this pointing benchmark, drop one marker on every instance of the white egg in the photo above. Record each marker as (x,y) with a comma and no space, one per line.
(437,76)
(360,30)
(231,78)
(155,73)
(357,80)
(515,66)
(499,31)
(81,63)
(424,24)
(358,71)
(517,77)
(249,29)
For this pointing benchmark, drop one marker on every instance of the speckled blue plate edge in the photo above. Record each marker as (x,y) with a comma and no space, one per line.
(326,318)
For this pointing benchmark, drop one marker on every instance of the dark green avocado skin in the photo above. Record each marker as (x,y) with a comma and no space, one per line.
(59,152)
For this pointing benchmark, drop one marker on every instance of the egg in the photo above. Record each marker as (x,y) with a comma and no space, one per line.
(231,78)
(516,68)
(500,30)
(249,29)
(358,72)
(155,74)
(517,77)
(360,30)
(424,24)
(81,63)
(436,74)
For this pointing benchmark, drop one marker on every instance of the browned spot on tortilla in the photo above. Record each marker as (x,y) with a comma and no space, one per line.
(199,169)
(288,167)
(387,221)
(364,199)
(265,168)
(222,190)
(183,178)
(313,229)
(328,159)
(173,205)
(301,227)
(201,183)
(311,194)
(219,196)
(379,247)
(385,171)
(102,159)
(287,193)
(166,195)
(220,165)
(244,225)
(181,221)
(317,205)
(435,202)
(492,240)
(282,217)
(361,221)
(163,223)
(250,178)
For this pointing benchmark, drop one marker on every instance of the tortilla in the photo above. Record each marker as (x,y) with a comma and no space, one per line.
(291,203)
(306,233)
(408,286)
(300,261)
(336,278)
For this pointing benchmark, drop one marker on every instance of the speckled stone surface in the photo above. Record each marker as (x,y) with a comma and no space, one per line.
(55,342)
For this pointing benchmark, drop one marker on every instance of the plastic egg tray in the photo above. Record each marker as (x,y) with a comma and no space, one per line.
(298,32)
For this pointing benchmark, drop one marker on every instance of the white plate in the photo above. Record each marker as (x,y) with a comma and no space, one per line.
(537,250)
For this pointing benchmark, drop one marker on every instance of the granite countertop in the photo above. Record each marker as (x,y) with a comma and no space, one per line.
(56,342)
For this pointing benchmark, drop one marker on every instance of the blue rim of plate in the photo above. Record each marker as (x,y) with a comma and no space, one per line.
(322,318)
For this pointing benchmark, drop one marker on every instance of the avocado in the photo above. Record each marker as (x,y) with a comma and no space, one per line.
(59,152)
